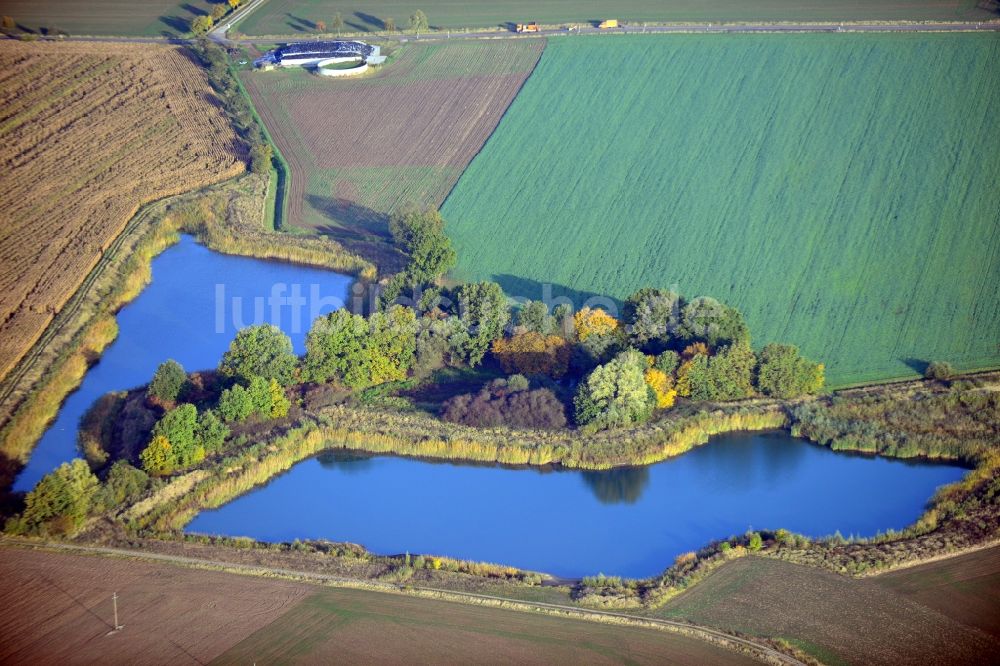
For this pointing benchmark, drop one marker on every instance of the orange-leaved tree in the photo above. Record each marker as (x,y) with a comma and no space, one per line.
(593,321)
(532,353)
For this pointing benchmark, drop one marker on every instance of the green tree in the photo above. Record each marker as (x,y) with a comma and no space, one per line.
(61,501)
(178,427)
(212,432)
(262,351)
(157,458)
(726,376)
(279,403)
(420,233)
(668,362)
(615,394)
(201,24)
(940,370)
(390,344)
(123,484)
(651,316)
(389,24)
(235,404)
(338,23)
(534,317)
(335,349)
(261,155)
(708,320)
(783,373)
(259,391)
(485,313)
(168,382)
(756,542)
(418,22)
(218,11)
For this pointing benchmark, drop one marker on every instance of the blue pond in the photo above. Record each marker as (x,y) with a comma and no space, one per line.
(630,522)
(197,301)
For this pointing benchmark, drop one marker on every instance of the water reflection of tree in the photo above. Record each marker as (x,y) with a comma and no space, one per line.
(344,461)
(618,486)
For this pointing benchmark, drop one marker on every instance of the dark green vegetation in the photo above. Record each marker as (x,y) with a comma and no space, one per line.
(834,188)
(170,18)
(298,16)
(942,612)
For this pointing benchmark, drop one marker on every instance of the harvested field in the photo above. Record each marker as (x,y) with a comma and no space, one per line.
(926,614)
(169,18)
(965,588)
(89,133)
(57,609)
(298,16)
(834,188)
(360,149)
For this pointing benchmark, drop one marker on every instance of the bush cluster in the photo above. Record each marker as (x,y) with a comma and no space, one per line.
(507,402)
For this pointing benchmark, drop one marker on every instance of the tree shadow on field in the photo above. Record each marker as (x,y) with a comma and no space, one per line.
(177,25)
(194,11)
(299,24)
(516,286)
(371,21)
(360,229)
(916,364)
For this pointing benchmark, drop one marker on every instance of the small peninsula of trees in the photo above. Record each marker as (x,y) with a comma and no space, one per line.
(587,368)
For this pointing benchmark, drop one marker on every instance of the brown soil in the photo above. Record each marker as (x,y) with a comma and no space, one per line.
(88,133)
(57,609)
(359,148)
(883,620)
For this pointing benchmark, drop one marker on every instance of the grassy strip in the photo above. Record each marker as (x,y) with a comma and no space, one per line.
(278,162)
(426,437)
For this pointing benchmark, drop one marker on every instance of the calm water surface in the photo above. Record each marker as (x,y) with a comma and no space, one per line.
(630,522)
(187,314)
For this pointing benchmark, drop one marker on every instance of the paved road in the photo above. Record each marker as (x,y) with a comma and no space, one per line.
(218,34)
(760,651)
(988,26)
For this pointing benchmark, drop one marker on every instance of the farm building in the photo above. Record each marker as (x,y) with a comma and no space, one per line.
(306,54)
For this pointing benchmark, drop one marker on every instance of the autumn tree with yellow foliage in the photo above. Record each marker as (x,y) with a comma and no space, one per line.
(532,353)
(663,387)
(593,321)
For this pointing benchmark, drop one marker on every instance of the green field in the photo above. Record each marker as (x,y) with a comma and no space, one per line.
(350,626)
(839,189)
(293,16)
(106,17)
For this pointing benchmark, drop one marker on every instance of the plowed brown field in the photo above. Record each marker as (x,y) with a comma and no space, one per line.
(358,149)
(88,134)
(937,613)
(55,608)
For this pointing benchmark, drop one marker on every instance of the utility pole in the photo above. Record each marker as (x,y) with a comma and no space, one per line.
(114,600)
